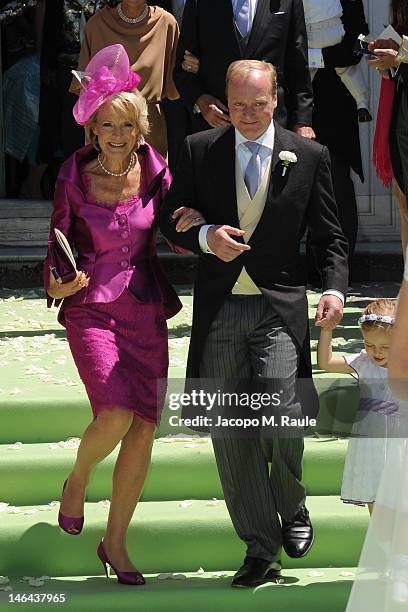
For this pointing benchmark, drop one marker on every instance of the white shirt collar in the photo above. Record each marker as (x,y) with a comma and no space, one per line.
(267,139)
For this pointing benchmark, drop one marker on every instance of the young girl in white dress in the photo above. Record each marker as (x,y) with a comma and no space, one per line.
(375,421)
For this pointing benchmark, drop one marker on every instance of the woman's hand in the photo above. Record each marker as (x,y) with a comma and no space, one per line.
(60,291)
(386,59)
(386,51)
(187,218)
(190,63)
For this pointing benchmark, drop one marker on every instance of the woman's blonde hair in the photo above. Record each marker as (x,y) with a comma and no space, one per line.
(383,307)
(133,106)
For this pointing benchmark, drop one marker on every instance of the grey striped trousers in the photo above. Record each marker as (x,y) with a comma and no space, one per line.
(248,340)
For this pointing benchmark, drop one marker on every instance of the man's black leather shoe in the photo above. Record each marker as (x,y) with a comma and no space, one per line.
(255,571)
(297,534)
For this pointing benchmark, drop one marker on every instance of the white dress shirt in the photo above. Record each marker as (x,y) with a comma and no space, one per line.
(267,142)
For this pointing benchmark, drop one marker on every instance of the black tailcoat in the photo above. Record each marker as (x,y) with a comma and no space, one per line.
(205,180)
(278,36)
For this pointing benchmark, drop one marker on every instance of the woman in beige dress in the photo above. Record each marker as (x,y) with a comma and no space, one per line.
(149,35)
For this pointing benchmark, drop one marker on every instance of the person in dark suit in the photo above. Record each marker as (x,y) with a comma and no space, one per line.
(222,31)
(335,121)
(258,186)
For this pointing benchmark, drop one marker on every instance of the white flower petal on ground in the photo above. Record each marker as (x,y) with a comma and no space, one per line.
(163,576)
(31,511)
(186,504)
(4,579)
(191,445)
(13,510)
(15,446)
(213,502)
(36,582)
(346,574)
(15,391)
(3,506)
(53,446)
(200,571)
(315,574)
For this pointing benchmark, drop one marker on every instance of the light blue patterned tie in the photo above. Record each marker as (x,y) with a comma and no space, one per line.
(253,170)
(242,17)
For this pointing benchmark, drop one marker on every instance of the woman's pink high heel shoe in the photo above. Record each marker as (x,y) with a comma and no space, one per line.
(70,524)
(133,578)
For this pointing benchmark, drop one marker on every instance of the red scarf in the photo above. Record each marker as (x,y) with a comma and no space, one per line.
(381,146)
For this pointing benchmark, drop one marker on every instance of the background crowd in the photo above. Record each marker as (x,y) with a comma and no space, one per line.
(43,40)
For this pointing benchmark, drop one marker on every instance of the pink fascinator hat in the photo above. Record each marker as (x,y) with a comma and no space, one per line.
(107,74)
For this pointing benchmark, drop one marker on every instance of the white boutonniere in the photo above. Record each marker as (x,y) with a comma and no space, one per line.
(287,158)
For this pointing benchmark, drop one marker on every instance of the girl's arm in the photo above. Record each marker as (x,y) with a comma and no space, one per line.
(325,358)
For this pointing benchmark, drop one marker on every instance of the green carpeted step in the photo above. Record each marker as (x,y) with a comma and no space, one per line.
(34,473)
(42,398)
(329,589)
(168,536)
(49,414)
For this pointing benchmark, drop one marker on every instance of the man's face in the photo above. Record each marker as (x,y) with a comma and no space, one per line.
(251,103)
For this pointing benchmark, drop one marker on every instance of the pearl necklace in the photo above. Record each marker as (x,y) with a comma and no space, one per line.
(133,20)
(132,162)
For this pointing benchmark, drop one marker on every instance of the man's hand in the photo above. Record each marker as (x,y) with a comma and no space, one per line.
(329,312)
(60,291)
(305,131)
(222,245)
(191,63)
(187,218)
(213,111)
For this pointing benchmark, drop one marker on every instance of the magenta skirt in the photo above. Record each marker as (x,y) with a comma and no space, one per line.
(121,352)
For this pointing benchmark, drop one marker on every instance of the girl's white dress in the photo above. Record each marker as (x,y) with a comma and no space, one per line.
(375,424)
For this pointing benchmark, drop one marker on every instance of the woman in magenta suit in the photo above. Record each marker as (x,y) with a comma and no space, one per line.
(106,203)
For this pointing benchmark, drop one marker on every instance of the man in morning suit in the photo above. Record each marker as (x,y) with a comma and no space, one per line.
(219,32)
(250,316)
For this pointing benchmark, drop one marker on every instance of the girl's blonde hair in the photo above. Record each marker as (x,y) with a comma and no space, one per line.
(133,106)
(384,307)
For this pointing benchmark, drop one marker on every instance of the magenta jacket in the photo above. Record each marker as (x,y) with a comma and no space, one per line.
(116,245)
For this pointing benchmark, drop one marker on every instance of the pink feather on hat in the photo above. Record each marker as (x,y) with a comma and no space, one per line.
(107,74)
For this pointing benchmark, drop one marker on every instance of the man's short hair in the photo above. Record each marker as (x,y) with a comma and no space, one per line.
(244,67)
